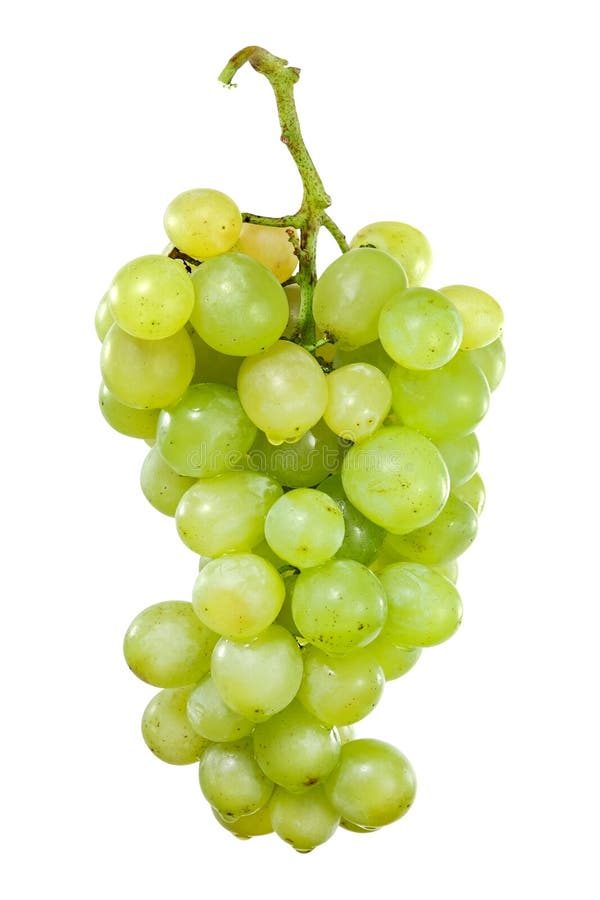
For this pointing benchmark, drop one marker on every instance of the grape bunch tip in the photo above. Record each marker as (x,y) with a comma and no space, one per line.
(313,438)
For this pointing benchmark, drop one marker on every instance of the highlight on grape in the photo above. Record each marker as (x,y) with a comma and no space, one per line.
(313,438)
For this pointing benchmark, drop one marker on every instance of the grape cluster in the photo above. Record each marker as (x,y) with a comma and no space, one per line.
(327,491)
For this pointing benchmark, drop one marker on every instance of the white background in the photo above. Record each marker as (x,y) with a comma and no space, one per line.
(474,121)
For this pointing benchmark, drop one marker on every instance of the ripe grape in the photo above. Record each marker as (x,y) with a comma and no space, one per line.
(203,222)
(406,244)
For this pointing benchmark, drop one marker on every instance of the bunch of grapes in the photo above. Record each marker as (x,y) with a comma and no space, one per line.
(313,439)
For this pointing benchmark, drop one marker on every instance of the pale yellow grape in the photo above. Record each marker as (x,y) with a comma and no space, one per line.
(424,608)
(305,527)
(151,297)
(231,780)
(238,595)
(254,825)
(397,478)
(340,690)
(373,784)
(482,316)
(211,718)
(420,328)
(360,398)
(448,569)
(259,678)
(138,423)
(473,493)
(146,374)
(213,366)
(226,513)
(161,485)
(303,820)
(203,222)
(444,538)
(283,391)
(294,749)
(346,733)
(492,362)
(394,660)
(270,246)
(168,646)
(406,244)
(167,731)
(294,296)
(104,318)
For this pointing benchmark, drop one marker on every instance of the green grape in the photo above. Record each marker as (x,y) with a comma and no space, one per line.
(356,829)
(339,606)
(151,297)
(231,780)
(285,617)
(461,455)
(211,718)
(360,398)
(212,366)
(340,690)
(238,595)
(346,733)
(203,222)
(283,390)
(271,247)
(294,749)
(294,298)
(397,478)
(303,820)
(394,660)
(138,423)
(482,316)
(448,569)
(372,353)
(261,677)
(362,537)
(226,513)
(254,825)
(104,318)
(351,293)
(161,485)
(373,784)
(206,432)
(424,608)
(492,362)
(263,549)
(405,243)
(443,403)
(420,329)
(305,527)
(167,731)
(240,306)
(146,374)
(166,645)
(472,492)
(301,464)
(443,539)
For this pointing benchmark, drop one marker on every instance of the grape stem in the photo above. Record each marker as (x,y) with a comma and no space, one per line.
(315,200)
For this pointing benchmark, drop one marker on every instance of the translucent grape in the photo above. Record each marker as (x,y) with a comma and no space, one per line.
(397,478)
(405,243)
(226,513)
(161,485)
(294,298)
(211,718)
(492,362)
(446,537)
(151,297)
(472,492)
(238,595)
(372,353)
(167,731)
(424,608)
(351,293)
(294,749)
(203,222)
(394,660)
(212,366)
(104,318)
(461,455)
(373,784)
(362,537)
(166,645)
(303,820)
(231,780)
(240,306)
(206,432)
(339,606)
(360,398)
(482,316)
(305,527)
(301,464)
(420,329)
(448,569)
(283,391)
(285,617)
(138,423)
(271,247)
(261,677)
(343,689)
(146,374)
(254,825)
(443,403)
